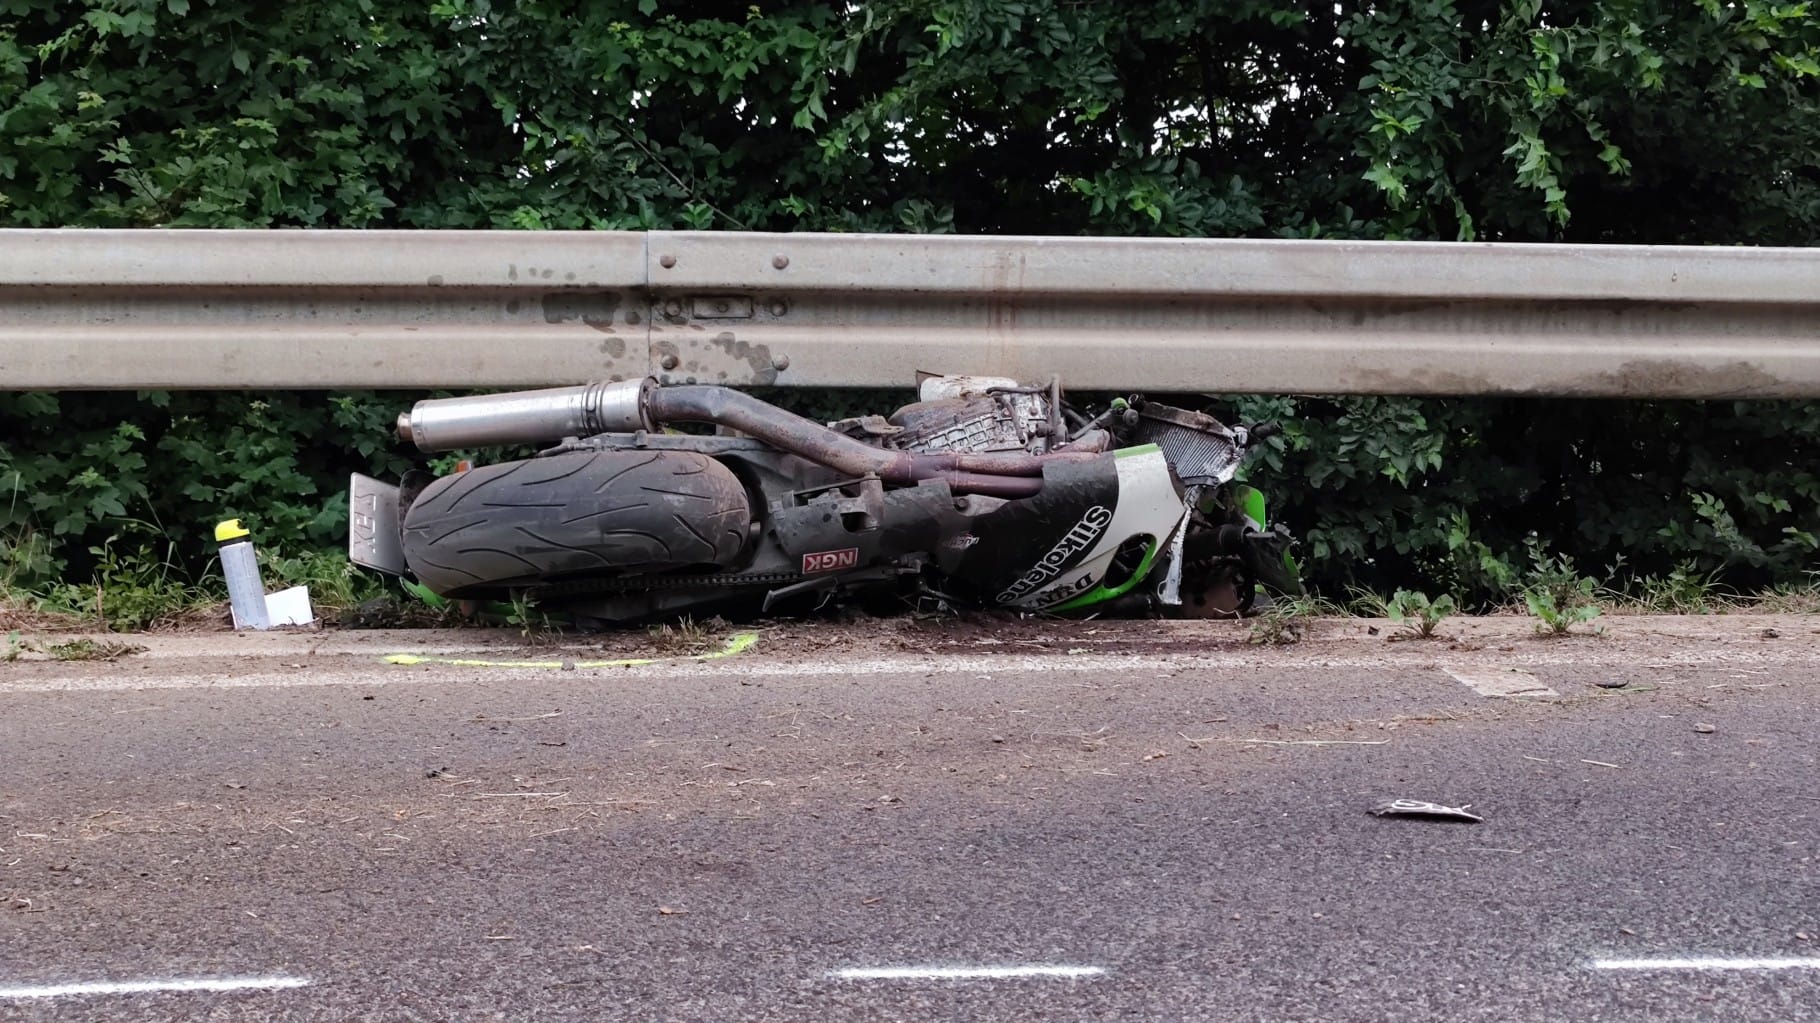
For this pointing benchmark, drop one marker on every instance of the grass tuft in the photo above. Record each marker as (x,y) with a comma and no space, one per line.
(1411,611)
(86,649)
(685,635)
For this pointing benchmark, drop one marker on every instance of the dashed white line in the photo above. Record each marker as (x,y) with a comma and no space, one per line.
(1706,963)
(134,987)
(963,972)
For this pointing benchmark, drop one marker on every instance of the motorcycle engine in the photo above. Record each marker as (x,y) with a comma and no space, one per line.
(970,414)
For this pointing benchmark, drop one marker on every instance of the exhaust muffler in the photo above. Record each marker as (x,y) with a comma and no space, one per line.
(528,417)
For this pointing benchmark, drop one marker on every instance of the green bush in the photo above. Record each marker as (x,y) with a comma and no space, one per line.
(1448,495)
(82,480)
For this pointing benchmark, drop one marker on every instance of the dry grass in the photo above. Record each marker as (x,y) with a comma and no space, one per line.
(1802,600)
(685,636)
(19,615)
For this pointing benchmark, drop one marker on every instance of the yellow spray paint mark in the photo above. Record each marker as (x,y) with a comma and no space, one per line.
(738,643)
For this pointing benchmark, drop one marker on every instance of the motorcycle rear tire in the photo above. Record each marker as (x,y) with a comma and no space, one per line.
(576,515)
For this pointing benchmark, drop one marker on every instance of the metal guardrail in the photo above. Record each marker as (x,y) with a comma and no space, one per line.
(305,309)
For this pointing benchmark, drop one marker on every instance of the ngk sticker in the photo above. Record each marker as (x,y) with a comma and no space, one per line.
(830,561)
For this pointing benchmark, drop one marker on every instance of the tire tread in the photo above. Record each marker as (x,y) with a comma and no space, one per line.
(517,524)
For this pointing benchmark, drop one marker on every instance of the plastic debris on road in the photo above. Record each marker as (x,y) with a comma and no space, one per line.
(1425,811)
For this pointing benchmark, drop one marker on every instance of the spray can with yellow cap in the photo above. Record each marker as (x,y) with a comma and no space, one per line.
(246,591)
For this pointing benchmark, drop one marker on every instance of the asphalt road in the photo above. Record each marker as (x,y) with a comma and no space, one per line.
(1119,834)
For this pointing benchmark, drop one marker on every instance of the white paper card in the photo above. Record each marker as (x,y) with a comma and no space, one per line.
(289,607)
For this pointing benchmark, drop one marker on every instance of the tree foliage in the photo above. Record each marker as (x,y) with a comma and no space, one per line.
(1512,120)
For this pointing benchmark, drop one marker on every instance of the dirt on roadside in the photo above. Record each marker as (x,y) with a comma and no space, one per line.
(985,639)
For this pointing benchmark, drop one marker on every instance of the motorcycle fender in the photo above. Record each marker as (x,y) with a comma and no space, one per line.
(373,525)
(1269,551)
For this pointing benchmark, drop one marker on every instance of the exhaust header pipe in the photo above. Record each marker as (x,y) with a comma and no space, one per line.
(540,417)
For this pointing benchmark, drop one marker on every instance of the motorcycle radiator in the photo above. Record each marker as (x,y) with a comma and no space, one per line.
(1200,448)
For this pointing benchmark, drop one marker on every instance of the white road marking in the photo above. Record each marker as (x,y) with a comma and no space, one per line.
(1706,963)
(134,987)
(963,972)
(1502,682)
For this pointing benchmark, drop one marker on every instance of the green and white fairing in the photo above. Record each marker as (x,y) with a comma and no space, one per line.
(1147,512)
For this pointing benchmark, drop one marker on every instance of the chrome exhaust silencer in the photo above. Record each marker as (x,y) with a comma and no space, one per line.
(528,417)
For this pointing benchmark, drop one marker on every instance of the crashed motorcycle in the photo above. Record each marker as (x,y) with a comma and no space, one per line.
(648,501)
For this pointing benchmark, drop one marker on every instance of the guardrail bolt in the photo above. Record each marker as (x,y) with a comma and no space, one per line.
(780,261)
(779,307)
(669,362)
(666,261)
(673,307)
(780,363)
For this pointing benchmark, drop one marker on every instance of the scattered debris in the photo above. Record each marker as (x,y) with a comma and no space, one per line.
(1306,742)
(1703,728)
(670,911)
(738,643)
(1611,683)
(1424,810)
(1502,682)
(1601,763)
(289,607)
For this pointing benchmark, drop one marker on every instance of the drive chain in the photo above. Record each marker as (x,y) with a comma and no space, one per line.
(644,583)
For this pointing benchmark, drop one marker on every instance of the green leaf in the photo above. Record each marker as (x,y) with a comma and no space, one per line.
(1387,178)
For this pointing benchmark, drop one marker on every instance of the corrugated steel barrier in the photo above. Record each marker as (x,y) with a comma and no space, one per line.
(471,309)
